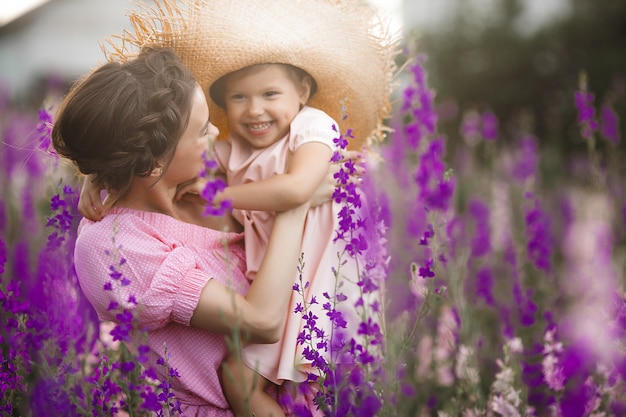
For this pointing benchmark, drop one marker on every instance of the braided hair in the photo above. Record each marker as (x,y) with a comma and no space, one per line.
(123,118)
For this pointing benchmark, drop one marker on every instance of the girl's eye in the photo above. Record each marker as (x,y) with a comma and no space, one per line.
(271,93)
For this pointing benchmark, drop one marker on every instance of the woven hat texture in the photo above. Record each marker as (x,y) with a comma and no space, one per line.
(343,44)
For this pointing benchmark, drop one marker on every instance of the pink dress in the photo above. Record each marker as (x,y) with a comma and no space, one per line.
(168,263)
(283,360)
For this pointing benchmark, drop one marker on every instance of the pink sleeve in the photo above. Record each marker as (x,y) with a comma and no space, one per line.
(162,276)
(312,125)
(174,292)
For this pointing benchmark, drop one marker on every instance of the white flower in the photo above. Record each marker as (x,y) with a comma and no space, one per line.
(501,406)
(515,345)
(464,369)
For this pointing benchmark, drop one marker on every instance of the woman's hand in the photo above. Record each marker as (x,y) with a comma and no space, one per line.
(324,192)
(90,203)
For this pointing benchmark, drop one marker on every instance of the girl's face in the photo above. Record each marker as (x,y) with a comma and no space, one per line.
(261,104)
(188,159)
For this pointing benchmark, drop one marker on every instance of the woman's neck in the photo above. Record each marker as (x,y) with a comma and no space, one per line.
(158,198)
(146,195)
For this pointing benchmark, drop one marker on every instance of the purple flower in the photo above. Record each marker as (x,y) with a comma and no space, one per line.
(471,127)
(418,102)
(538,233)
(209,192)
(45,129)
(213,186)
(489,126)
(426,270)
(526,307)
(484,285)
(435,189)
(340,141)
(481,244)
(525,165)
(609,128)
(3,255)
(586,113)
(150,401)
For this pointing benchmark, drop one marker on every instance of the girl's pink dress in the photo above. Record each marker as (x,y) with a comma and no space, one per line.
(242,164)
(168,263)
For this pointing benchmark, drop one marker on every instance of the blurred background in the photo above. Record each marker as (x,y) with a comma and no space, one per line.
(520,59)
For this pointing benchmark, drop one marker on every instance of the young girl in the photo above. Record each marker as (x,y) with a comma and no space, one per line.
(276,155)
(279,74)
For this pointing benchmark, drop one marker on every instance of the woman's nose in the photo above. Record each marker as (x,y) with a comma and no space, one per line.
(213,130)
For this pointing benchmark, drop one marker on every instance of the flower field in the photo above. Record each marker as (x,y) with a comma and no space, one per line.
(493,279)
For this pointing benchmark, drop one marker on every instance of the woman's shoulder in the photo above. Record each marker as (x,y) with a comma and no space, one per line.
(136,226)
(118,222)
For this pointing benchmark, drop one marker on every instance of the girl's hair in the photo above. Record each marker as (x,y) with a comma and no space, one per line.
(123,118)
(297,75)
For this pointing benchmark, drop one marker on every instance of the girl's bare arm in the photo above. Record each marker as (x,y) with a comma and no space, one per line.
(258,316)
(306,170)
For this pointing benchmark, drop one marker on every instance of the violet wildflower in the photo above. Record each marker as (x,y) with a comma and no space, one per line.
(527,308)
(426,271)
(525,166)
(436,188)
(586,112)
(480,244)
(484,286)
(3,217)
(213,186)
(3,255)
(476,126)
(609,126)
(471,127)
(350,353)
(418,101)
(576,366)
(428,234)
(489,126)
(539,235)
(45,129)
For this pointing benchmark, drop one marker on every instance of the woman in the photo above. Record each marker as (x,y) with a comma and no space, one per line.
(139,129)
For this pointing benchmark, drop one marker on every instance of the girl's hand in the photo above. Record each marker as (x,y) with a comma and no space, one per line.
(191,191)
(324,192)
(90,203)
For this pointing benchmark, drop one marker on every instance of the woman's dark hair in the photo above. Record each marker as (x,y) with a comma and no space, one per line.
(297,75)
(122,118)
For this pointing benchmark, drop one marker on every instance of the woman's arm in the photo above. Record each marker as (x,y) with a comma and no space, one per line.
(305,172)
(258,315)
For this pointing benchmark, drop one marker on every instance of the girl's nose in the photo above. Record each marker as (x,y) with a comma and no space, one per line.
(255,107)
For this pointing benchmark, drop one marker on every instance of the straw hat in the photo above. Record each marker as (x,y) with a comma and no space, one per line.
(343,44)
